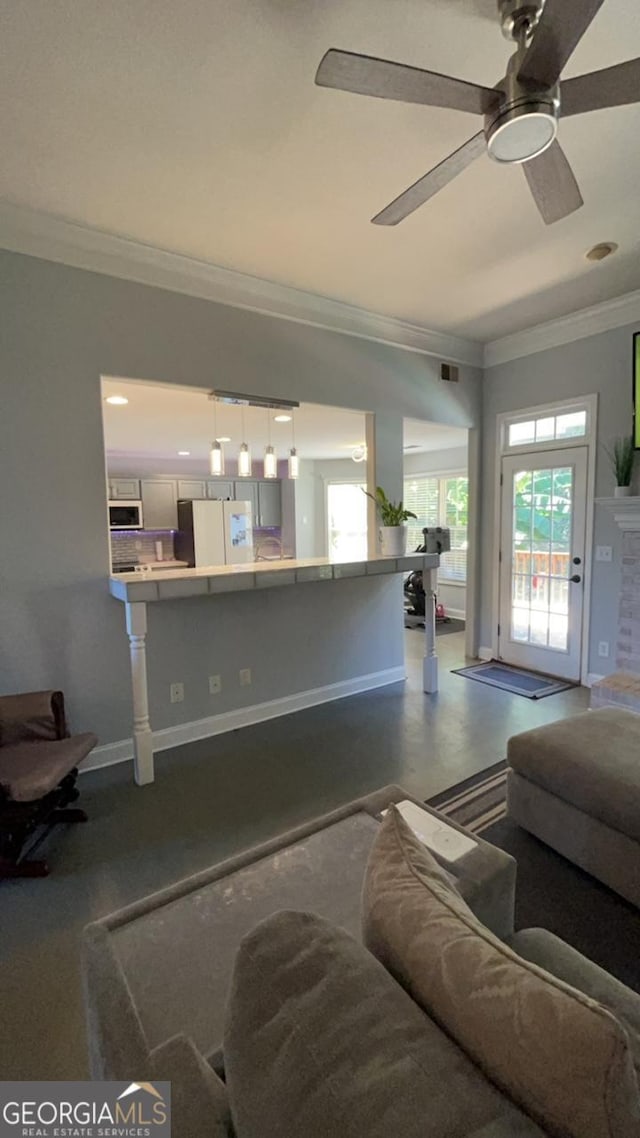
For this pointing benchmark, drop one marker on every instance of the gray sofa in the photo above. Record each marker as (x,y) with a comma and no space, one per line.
(184,986)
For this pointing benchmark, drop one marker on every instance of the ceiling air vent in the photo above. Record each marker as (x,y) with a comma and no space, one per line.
(449,372)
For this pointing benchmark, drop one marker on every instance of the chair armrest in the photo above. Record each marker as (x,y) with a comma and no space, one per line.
(32,717)
(199,1104)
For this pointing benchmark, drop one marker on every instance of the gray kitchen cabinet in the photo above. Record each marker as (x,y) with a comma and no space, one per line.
(218,488)
(192,488)
(124,488)
(245,490)
(159,508)
(269,503)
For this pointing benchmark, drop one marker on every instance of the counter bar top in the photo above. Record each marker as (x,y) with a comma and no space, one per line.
(156,585)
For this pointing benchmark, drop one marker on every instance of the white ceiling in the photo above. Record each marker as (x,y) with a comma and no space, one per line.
(196,127)
(160,420)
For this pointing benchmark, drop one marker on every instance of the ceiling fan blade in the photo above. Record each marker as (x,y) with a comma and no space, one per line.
(553,184)
(364,75)
(430,183)
(560,29)
(611,87)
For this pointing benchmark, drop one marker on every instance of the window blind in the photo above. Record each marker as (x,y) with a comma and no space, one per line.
(440,501)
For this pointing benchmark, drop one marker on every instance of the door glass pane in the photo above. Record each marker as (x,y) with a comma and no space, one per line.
(545,429)
(347,518)
(521,433)
(571,425)
(540,556)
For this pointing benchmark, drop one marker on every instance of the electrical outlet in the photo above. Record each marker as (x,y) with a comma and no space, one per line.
(177,693)
(245,677)
(604,553)
(215,685)
(603,648)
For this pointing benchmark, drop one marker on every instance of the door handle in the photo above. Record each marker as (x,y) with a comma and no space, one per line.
(576,579)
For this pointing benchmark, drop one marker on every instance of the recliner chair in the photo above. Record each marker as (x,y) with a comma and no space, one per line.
(38,771)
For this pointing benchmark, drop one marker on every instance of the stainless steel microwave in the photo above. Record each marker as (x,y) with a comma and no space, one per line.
(125,515)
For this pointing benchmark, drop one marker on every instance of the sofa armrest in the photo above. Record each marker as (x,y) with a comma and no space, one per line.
(199,1103)
(35,716)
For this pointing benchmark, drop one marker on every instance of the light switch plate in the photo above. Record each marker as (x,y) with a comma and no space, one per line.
(603,648)
(604,553)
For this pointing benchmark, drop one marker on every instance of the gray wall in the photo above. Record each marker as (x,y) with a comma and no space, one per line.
(599,364)
(61,329)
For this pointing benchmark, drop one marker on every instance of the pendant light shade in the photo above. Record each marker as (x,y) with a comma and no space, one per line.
(294,463)
(216,458)
(244,455)
(244,461)
(270,463)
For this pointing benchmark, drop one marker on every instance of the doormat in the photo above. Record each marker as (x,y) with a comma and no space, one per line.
(477,802)
(532,685)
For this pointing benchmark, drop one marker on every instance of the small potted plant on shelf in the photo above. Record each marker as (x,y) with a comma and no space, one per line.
(622,457)
(393,530)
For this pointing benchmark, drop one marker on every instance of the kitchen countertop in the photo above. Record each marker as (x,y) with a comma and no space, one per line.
(152,584)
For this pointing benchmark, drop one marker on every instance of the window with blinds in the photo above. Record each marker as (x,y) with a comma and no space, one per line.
(440,501)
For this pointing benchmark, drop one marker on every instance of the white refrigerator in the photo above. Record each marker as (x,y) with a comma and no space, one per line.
(214,532)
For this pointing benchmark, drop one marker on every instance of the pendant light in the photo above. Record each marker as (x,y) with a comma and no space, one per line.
(216,457)
(270,458)
(244,455)
(294,461)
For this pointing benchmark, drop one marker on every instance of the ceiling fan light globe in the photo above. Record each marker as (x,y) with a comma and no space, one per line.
(520,134)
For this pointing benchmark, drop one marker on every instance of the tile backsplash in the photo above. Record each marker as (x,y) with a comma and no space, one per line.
(130,547)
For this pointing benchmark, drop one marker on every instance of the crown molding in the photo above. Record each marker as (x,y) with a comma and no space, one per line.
(54,239)
(576,326)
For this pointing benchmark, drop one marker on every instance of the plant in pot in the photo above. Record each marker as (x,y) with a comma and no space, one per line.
(622,458)
(393,529)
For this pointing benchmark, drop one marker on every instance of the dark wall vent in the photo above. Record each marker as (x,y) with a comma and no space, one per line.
(449,372)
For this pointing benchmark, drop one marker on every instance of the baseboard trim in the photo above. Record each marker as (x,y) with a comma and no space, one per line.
(485,653)
(457,614)
(111,753)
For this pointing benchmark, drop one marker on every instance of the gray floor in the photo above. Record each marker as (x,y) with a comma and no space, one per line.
(216,797)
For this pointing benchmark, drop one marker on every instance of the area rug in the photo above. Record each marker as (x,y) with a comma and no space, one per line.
(551,892)
(532,685)
(443,627)
(477,802)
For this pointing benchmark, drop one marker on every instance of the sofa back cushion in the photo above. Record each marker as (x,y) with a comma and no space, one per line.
(560,1055)
(321,1041)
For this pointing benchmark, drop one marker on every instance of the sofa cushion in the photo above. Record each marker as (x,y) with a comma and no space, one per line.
(560,959)
(321,1042)
(589,760)
(561,1056)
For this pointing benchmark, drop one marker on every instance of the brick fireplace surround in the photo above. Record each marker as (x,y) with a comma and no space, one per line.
(622,688)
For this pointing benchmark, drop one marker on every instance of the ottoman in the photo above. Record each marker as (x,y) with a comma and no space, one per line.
(576,785)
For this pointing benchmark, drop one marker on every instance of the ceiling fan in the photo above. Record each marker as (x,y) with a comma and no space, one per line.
(521,112)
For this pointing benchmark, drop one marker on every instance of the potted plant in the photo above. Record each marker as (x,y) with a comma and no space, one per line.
(393,530)
(622,457)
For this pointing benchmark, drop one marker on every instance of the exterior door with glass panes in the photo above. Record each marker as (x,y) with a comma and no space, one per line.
(542,560)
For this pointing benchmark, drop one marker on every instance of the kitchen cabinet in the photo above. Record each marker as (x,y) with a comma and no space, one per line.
(192,488)
(218,488)
(159,508)
(269,504)
(124,488)
(245,490)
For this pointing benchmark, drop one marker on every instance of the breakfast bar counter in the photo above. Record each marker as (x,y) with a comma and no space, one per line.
(137,589)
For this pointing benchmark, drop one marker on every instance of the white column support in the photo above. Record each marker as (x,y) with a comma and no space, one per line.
(430,662)
(136,614)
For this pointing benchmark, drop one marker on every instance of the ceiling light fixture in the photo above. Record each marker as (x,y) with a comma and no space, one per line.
(599,252)
(294,461)
(224,438)
(116,400)
(244,454)
(184,453)
(359,453)
(270,458)
(216,454)
(282,418)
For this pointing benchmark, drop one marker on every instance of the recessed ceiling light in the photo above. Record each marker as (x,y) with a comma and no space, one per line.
(116,400)
(282,418)
(223,439)
(184,453)
(599,252)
